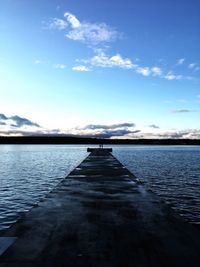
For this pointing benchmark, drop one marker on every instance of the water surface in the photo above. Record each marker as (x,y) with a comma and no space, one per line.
(29,172)
(172,172)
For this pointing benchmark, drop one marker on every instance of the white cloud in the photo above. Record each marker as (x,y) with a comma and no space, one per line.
(75,23)
(119,61)
(91,33)
(118,130)
(144,71)
(18,126)
(192,65)
(102,60)
(170,76)
(81,68)
(99,33)
(156,71)
(59,24)
(180,61)
(173,134)
(59,66)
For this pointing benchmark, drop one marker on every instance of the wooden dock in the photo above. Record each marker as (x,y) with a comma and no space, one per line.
(100,216)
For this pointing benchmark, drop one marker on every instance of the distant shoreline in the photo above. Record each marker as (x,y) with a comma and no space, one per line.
(77,140)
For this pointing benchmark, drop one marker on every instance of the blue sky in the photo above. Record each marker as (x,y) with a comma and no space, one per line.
(111,68)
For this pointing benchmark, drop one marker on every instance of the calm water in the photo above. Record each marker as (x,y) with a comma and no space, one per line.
(29,172)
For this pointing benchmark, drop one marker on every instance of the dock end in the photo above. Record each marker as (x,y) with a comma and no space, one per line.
(99,151)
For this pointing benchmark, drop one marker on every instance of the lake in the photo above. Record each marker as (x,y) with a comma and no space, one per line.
(29,172)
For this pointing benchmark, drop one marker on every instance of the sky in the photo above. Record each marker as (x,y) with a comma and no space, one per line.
(113,69)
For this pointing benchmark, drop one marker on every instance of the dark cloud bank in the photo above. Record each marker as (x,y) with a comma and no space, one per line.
(16,121)
(154,126)
(107,127)
(16,125)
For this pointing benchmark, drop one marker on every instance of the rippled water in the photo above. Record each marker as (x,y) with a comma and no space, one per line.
(29,172)
(172,172)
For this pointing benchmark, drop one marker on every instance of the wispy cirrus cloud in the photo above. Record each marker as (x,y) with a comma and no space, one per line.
(90,33)
(103,60)
(95,35)
(80,68)
(86,32)
(82,31)
(58,24)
